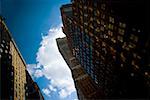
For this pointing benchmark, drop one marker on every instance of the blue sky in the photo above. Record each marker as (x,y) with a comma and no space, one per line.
(35,24)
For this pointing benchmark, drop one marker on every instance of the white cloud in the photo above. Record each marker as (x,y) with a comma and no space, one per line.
(62,93)
(53,65)
(52,88)
(34,70)
(38,73)
(31,68)
(46,91)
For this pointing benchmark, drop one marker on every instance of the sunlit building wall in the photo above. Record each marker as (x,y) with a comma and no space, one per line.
(19,72)
(12,67)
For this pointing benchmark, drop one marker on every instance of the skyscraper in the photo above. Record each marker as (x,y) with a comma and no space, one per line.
(110,39)
(86,88)
(13,80)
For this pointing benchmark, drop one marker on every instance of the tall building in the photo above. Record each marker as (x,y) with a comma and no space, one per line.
(110,40)
(12,67)
(86,88)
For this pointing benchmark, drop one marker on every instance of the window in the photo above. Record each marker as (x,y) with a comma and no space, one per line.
(104,49)
(103,16)
(103,44)
(124,46)
(102,57)
(81,18)
(132,74)
(6,47)
(85,7)
(105,36)
(139,30)
(113,40)
(85,15)
(110,26)
(81,12)
(133,29)
(91,34)
(113,50)
(139,57)
(102,22)
(146,73)
(85,23)
(75,13)
(102,28)
(134,38)
(91,19)
(96,38)
(111,19)
(121,31)
(134,64)
(3,41)
(1,50)
(6,51)
(121,65)
(12,73)
(97,29)
(120,38)
(68,9)
(86,31)
(122,25)
(16,94)
(98,22)
(98,13)
(91,26)
(110,33)
(2,45)
(90,8)
(103,6)
(97,53)
(122,57)
(134,55)
(96,81)
(131,45)
(80,6)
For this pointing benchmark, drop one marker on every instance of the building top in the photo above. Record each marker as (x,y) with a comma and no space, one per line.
(66,6)
(61,42)
(11,38)
(67,9)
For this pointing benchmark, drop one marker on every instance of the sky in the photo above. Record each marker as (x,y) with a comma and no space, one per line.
(34,25)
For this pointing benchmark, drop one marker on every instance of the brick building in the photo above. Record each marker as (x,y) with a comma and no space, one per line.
(110,39)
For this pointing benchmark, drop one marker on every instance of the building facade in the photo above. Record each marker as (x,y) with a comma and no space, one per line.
(12,67)
(111,42)
(86,88)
